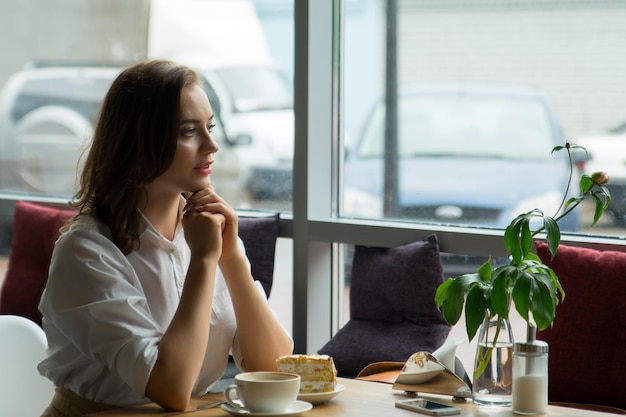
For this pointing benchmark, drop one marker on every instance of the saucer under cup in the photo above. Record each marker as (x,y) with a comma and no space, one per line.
(294,409)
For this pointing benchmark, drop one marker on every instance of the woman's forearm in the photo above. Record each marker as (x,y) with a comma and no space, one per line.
(261,337)
(183,346)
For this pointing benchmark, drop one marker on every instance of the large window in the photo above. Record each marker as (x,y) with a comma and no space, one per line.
(412,117)
(444,124)
(465,89)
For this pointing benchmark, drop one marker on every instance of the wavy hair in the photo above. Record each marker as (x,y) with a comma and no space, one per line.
(134,143)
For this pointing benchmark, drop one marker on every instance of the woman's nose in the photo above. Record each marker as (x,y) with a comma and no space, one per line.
(210,145)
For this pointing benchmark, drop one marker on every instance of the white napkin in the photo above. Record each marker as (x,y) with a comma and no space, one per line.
(446,354)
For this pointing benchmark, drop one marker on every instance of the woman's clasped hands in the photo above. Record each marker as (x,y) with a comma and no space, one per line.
(210,225)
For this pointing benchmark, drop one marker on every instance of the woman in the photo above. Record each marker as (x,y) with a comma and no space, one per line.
(148,293)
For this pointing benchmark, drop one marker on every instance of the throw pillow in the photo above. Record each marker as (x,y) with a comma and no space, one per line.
(392,308)
(35,230)
(588,338)
(259,235)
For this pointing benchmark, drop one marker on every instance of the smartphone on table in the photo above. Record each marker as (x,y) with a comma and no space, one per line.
(424,406)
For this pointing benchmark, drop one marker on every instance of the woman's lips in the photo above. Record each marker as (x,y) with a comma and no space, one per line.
(204,168)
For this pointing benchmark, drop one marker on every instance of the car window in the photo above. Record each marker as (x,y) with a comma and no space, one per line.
(79,94)
(254,89)
(464,126)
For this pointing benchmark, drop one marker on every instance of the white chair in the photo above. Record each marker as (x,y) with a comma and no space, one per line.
(23,391)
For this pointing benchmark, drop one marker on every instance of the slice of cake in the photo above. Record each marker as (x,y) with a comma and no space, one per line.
(317,372)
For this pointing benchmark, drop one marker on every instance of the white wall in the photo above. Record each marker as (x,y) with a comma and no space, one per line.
(572,49)
(70,30)
(224,29)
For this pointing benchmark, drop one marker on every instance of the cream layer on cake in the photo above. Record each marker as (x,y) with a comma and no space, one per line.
(317,372)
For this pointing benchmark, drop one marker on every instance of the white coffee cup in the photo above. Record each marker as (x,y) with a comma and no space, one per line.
(263,392)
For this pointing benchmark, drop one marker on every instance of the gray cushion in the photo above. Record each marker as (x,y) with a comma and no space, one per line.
(392,308)
(259,235)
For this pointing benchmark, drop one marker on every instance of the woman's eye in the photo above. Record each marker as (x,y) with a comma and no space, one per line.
(211,126)
(189,132)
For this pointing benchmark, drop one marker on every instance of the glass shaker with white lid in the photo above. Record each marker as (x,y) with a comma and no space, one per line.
(530,375)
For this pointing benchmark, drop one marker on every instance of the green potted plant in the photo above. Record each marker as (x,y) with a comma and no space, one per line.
(531,286)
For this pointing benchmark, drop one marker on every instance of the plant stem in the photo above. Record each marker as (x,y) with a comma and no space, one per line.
(564,199)
(485,356)
(565,213)
(569,181)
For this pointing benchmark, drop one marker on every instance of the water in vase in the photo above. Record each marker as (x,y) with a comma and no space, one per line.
(494,385)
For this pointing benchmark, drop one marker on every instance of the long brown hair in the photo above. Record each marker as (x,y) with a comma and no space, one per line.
(134,142)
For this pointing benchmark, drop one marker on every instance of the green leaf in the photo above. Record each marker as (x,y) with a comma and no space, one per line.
(475,309)
(548,278)
(600,206)
(548,283)
(574,201)
(499,301)
(585,183)
(440,294)
(526,239)
(607,194)
(533,258)
(450,296)
(553,234)
(512,239)
(543,307)
(484,271)
(556,149)
(521,295)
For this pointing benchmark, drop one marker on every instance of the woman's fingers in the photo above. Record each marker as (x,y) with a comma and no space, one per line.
(203,197)
(204,219)
(208,200)
(203,232)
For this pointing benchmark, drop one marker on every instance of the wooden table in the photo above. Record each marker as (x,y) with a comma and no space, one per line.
(359,399)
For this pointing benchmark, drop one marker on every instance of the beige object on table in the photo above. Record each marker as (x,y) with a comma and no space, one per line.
(444,382)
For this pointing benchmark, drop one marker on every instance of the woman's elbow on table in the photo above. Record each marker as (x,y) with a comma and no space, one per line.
(168,394)
(171,400)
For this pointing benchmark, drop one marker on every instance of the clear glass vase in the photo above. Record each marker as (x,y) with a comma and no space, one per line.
(493,365)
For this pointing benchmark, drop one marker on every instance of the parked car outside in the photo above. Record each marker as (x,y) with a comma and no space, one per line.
(46,115)
(607,153)
(48,112)
(468,154)
(254,103)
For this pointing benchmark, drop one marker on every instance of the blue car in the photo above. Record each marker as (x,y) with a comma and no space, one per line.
(472,155)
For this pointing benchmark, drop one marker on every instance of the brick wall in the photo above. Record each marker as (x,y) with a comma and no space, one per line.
(574,50)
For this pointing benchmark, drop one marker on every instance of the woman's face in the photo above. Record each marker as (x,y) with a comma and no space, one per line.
(195,146)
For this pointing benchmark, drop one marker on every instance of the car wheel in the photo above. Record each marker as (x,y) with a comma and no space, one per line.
(46,145)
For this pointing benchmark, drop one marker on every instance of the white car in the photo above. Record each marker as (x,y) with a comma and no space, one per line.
(254,104)
(484,142)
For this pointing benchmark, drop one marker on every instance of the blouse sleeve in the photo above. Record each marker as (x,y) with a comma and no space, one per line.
(95,300)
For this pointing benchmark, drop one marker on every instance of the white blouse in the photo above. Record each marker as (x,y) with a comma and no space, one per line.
(104,313)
